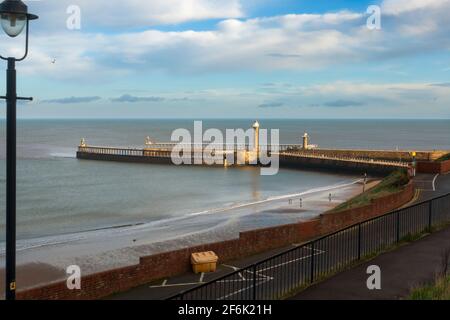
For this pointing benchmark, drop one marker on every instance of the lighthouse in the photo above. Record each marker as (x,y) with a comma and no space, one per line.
(305,141)
(256,133)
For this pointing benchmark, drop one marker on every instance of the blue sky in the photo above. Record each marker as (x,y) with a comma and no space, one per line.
(236,59)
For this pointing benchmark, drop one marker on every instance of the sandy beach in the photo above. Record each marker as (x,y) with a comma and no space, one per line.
(45,260)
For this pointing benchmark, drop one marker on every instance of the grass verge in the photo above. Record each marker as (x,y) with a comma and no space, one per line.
(393,183)
(439,290)
(444,158)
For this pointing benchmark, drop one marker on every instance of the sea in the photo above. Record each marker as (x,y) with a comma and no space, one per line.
(58,194)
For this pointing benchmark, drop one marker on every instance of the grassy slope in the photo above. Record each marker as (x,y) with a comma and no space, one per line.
(440,290)
(444,158)
(393,183)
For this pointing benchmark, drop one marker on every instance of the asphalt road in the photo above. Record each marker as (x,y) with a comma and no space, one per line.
(431,185)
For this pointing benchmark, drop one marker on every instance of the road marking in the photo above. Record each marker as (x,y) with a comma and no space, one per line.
(232,267)
(268,278)
(260,277)
(289,262)
(241,290)
(317,250)
(235,269)
(434,182)
(177,285)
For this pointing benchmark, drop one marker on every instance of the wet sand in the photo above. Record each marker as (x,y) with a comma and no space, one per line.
(45,260)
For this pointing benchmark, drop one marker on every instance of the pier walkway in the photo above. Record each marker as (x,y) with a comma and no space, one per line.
(288,154)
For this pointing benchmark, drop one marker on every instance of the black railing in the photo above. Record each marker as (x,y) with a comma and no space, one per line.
(279,275)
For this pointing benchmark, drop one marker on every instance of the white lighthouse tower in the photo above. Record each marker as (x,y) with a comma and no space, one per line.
(305,141)
(256,133)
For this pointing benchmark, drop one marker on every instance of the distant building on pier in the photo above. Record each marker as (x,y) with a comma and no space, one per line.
(306,144)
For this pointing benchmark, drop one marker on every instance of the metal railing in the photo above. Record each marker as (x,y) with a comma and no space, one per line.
(279,275)
(199,150)
(111,151)
(400,164)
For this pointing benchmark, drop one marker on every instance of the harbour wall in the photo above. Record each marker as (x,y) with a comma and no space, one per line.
(169,264)
(389,155)
(287,161)
(433,167)
(336,165)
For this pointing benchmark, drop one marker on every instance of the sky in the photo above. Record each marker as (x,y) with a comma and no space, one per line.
(234,59)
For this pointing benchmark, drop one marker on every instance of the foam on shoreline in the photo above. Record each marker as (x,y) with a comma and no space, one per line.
(118,246)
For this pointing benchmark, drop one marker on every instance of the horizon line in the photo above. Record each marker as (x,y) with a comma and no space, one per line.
(212,118)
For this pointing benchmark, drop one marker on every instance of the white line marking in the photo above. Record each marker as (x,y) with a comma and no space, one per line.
(258,275)
(232,267)
(235,269)
(317,250)
(261,278)
(177,285)
(239,291)
(434,182)
(289,262)
(268,278)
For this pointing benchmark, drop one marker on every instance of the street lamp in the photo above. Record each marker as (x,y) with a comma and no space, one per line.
(14,18)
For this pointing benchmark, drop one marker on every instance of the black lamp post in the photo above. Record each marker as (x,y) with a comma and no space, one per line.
(14,18)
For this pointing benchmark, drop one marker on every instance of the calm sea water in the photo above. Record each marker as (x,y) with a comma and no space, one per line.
(57,194)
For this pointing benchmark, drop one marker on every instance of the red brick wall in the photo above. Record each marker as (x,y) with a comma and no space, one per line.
(337,220)
(445,166)
(433,167)
(177,262)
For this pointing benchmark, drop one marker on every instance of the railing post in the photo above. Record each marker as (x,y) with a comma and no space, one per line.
(359,241)
(254,281)
(398,226)
(312,261)
(430,215)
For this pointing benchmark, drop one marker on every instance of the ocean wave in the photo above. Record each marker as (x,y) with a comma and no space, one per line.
(62,239)
(63,155)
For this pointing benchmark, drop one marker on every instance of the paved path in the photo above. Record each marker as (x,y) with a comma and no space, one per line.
(409,266)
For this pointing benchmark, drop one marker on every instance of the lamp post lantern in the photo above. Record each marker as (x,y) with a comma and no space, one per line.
(14,17)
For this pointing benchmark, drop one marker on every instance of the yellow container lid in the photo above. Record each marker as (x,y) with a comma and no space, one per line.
(204,257)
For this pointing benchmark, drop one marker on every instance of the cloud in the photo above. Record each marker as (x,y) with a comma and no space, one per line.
(444,84)
(72,100)
(344,103)
(396,7)
(271,105)
(136,13)
(283,55)
(133,99)
(292,42)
